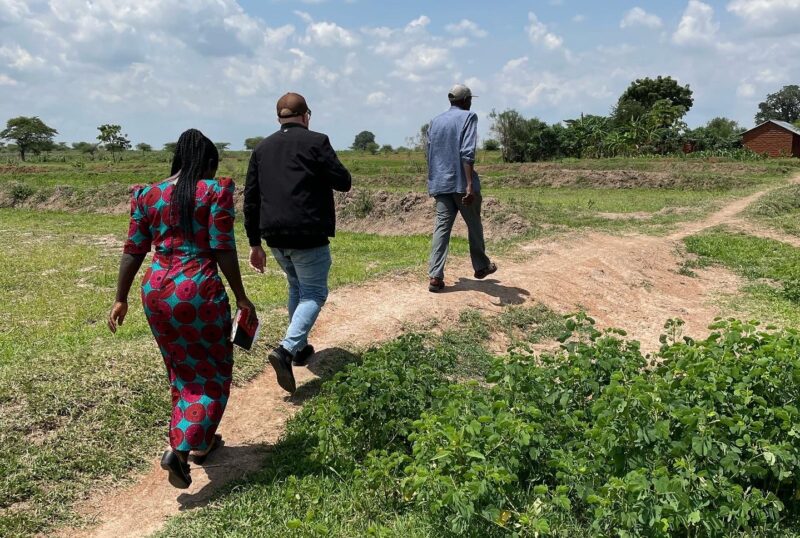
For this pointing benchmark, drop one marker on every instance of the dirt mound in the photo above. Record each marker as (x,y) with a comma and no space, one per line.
(17,169)
(550,175)
(389,213)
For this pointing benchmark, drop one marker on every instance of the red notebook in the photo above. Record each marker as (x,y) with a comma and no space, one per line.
(243,335)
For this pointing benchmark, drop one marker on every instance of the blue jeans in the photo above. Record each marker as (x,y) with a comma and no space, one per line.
(307,272)
(448,206)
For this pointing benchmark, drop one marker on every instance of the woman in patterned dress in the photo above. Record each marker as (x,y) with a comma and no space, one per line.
(189,219)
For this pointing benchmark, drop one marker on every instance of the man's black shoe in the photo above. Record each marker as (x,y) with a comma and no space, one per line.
(303,355)
(178,470)
(281,361)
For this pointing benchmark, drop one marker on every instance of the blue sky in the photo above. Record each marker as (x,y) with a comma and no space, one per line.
(158,67)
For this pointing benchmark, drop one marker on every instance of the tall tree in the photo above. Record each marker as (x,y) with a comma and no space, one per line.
(251,143)
(112,139)
(170,147)
(29,134)
(640,97)
(782,105)
(143,147)
(222,146)
(363,141)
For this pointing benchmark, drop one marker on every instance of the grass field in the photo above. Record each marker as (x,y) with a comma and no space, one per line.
(78,405)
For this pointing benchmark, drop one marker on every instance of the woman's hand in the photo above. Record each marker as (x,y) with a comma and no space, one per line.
(117,315)
(246,305)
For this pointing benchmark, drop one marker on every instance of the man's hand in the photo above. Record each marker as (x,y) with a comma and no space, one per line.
(258,259)
(469,197)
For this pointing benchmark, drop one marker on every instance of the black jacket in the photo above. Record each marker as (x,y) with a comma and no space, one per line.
(290,183)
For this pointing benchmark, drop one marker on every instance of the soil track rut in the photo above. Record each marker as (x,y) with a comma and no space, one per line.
(626,281)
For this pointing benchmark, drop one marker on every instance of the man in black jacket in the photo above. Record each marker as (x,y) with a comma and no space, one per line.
(288,201)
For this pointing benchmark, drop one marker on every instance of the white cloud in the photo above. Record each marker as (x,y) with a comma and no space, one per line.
(540,35)
(5,80)
(277,37)
(20,59)
(746,90)
(377,99)
(697,26)
(420,61)
(13,10)
(328,34)
(768,15)
(468,27)
(579,18)
(418,24)
(639,17)
(304,16)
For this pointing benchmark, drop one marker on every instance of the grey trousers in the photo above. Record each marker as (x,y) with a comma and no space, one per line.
(447,207)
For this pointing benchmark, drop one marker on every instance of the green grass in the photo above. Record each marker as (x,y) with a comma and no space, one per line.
(779,209)
(772,267)
(78,404)
(753,257)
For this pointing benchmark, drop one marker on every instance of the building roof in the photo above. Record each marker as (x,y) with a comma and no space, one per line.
(783,124)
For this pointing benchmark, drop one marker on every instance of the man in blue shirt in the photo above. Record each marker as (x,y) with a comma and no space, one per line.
(454,184)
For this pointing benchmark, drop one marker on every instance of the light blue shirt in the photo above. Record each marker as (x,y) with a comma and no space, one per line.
(452,141)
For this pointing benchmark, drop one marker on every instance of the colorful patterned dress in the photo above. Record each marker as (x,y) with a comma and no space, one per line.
(186,304)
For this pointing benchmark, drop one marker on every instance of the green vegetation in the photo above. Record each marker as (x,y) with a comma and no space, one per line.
(780,209)
(588,440)
(772,267)
(78,405)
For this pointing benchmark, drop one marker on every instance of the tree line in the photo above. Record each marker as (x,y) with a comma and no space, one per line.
(647,120)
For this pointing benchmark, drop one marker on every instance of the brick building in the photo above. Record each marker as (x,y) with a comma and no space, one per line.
(775,138)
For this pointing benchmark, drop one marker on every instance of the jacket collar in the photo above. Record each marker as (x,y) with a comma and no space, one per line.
(292,124)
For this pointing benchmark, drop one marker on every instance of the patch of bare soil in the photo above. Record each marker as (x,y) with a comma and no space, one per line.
(412,213)
(21,169)
(622,281)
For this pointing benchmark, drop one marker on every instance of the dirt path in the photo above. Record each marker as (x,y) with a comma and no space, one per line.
(623,281)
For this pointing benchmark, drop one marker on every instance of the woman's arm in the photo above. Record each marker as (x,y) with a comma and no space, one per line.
(228,263)
(128,267)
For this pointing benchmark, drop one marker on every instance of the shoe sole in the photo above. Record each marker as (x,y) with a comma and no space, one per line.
(175,479)
(491,272)
(285,377)
(435,289)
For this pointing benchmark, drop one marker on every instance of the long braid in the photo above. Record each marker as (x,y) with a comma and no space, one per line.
(193,155)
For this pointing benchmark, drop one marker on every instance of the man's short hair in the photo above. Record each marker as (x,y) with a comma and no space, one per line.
(291,105)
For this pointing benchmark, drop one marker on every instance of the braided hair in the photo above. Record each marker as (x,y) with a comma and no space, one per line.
(194,155)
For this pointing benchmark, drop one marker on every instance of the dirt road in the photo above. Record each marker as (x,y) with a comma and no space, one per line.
(626,281)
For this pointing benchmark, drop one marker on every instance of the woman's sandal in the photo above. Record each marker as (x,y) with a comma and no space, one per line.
(178,470)
(216,443)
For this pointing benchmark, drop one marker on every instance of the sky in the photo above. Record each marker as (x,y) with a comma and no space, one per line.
(158,67)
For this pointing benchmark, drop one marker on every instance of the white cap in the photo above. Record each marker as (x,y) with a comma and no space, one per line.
(459,92)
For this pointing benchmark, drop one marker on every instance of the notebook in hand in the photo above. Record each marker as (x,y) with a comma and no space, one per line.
(243,335)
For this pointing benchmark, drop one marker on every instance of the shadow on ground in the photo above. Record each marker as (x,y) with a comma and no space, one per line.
(324,364)
(230,465)
(506,295)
